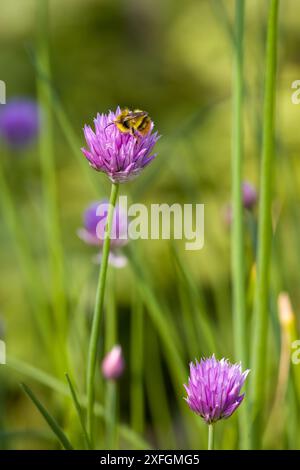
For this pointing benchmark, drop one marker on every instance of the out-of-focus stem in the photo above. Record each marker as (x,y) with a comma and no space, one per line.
(46,150)
(261,304)
(136,362)
(111,414)
(237,238)
(111,386)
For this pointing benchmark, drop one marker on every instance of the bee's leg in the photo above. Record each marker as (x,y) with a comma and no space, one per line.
(108,125)
(136,134)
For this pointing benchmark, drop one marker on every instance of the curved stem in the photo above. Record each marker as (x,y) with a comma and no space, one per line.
(92,354)
(210,437)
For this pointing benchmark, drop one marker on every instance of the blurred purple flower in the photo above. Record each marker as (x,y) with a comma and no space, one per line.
(93,231)
(19,122)
(122,156)
(213,390)
(249,195)
(113,364)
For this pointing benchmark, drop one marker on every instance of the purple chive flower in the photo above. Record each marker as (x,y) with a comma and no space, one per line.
(122,156)
(213,390)
(113,364)
(92,232)
(19,122)
(249,195)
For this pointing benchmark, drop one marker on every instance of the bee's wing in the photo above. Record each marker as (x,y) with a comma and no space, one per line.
(134,115)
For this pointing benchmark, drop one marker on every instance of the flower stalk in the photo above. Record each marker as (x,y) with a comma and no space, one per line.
(113,367)
(92,353)
(210,437)
(111,413)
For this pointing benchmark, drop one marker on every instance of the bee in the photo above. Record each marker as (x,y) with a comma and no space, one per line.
(135,122)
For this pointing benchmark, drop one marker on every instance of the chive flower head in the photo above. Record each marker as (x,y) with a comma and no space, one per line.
(213,389)
(121,155)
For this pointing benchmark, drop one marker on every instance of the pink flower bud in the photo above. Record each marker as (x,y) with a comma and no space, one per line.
(113,363)
(249,195)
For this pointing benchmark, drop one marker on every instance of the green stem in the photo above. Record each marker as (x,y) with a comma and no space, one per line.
(111,386)
(111,414)
(92,353)
(111,320)
(237,238)
(261,307)
(137,360)
(210,437)
(49,177)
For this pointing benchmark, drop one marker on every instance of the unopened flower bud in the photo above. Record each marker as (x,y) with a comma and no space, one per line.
(113,363)
(249,195)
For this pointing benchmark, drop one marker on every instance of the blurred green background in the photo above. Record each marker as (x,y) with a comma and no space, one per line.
(173,59)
